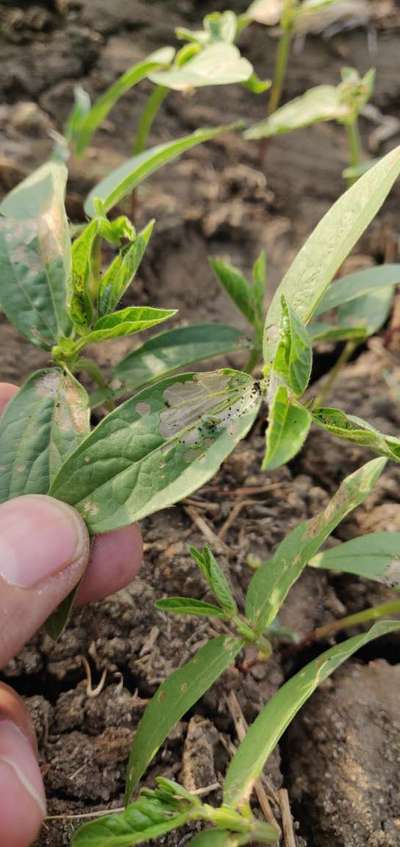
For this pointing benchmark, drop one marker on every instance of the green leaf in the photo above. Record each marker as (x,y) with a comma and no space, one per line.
(215,578)
(35,256)
(316,264)
(322,103)
(373,556)
(119,275)
(80,298)
(352,428)
(86,268)
(236,285)
(273,580)
(340,103)
(218,26)
(293,358)
(355,91)
(82,124)
(355,171)
(176,348)
(256,85)
(319,331)
(370,310)
(151,816)
(40,427)
(124,179)
(189,606)
(126,322)
(264,734)
(356,285)
(80,109)
(57,622)
(217,64)
(288,427)
(193,36)
(158,447)
(174,698)
(221,26)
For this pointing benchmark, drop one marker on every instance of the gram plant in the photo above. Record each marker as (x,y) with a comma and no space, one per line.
(209,57)
(295,18)
(171,436)
(234,822)
(342,103)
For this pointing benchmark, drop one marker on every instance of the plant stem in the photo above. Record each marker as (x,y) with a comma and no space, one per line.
(344,357)
(372,614)
(96,375)
(355,146)
(252,361)
(147,118)
(281,63)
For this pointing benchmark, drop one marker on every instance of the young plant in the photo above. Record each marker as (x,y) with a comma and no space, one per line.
(342,104)
(287,346)
(171,436)
(58,297)
(294,18)
(233,822)
(248,297)
(209,57)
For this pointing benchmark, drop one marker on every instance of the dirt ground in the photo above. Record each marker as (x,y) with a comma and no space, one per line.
(341,757)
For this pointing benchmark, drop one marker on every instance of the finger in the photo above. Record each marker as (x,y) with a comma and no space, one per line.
(44,550)
(114,562)
(7,391)
(116,556)
(22,800)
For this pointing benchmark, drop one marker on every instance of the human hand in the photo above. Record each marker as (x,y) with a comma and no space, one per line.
(44,552)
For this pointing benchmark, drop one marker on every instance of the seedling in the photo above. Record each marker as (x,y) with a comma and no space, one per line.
(233,822)
(170,437)
(295,17)
(342,104)
(209,57)
(60,300)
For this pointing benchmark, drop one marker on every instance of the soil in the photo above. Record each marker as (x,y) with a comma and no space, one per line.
(86,693)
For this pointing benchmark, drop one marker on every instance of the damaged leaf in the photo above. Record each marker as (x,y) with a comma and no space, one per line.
(40,427)
(35,256)
(157,447)
(352,428)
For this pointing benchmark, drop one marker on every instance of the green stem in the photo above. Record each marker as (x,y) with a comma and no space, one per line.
(147,118)
(372,614)
(281,63)
(230,820)
(252,361)
(96,375)
(355,146)
(344,357)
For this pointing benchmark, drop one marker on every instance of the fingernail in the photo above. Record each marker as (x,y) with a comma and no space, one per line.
(16,754)
(39,537)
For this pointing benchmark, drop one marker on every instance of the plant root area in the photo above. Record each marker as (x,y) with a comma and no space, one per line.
(339,762)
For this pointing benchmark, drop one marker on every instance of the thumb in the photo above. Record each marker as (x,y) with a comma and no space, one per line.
(44,550)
